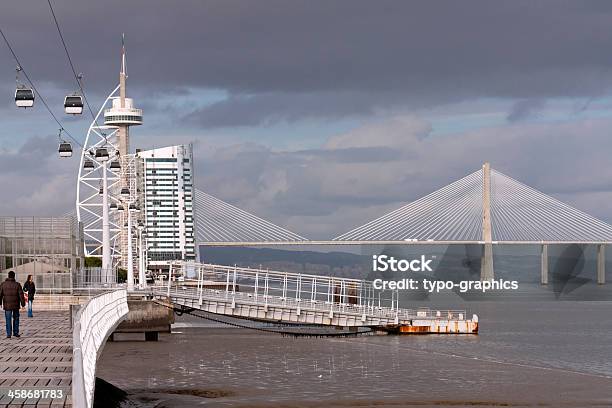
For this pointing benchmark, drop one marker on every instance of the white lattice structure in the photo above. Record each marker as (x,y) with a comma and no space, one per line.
(88,197)
(129,164)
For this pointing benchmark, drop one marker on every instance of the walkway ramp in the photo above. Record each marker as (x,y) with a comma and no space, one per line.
(53,363)
(303,299)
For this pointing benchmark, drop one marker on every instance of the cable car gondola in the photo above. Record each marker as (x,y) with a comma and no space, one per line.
(88,165)
(24,96)
(115,165)
(65,148)
(73,104)
(101,153)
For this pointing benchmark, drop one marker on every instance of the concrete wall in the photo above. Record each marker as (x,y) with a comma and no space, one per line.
(146,315)
(57,302)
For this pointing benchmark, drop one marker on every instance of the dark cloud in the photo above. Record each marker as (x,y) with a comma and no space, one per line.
(36,180)
(270,108)
(279,61)
(287,60)
(525,109)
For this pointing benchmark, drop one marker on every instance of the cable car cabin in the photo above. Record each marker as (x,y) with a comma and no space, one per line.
(115,165)
(65,149)
(73,104)
(88,165)
(24,97)
(101,153)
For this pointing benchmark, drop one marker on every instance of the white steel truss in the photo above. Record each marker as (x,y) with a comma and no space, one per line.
(89,182)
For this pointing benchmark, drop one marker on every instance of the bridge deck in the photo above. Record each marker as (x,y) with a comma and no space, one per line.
(300,298)
(40,360)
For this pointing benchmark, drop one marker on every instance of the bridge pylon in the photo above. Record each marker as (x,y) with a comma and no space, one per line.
(486,265)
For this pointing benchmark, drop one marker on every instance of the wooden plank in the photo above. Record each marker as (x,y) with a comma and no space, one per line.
(45,375)
(40,359)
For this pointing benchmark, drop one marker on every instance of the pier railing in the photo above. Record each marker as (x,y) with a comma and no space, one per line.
(92,324)
(292,290)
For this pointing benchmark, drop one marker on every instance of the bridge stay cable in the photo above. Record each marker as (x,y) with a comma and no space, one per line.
(219,221)
(519,214)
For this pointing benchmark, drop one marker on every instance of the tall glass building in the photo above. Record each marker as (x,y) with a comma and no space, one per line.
(165,178)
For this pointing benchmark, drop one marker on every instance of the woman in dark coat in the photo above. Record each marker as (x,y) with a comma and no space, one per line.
(30,289)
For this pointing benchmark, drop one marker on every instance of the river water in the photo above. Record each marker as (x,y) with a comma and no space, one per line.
(549,353)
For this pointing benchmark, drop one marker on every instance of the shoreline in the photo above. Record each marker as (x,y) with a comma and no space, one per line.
(540,354)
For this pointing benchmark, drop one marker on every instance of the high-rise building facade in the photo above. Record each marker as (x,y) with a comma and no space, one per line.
(165,178)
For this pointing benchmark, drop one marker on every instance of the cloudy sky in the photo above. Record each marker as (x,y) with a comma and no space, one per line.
(320,115)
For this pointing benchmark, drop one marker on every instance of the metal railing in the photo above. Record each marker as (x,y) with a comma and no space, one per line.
(261,287)
(95,277)
(92,324)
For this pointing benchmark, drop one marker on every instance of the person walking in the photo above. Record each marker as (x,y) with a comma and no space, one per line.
(11,298)
(30,289)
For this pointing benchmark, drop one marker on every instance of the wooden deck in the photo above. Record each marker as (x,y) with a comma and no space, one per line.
(40,360)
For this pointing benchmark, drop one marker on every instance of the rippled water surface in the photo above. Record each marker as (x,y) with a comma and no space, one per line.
(548,353)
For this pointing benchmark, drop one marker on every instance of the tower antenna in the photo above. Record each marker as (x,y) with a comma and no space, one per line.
(122,74)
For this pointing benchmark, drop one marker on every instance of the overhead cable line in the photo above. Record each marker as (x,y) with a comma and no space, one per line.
(74,72)
(42,99)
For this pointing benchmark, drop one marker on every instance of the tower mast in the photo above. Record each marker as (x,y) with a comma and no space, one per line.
(123,134)
(122,115)
(122,75)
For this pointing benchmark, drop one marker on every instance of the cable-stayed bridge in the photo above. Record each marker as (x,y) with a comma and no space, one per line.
(454,213)
(484,208)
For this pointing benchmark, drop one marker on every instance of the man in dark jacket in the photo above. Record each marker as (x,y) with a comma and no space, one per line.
(11,297)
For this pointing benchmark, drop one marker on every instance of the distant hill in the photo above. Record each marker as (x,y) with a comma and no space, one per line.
(452,262)
(340,264)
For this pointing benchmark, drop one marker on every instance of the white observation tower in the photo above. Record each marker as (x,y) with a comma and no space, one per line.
(122,114)
(106,187)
